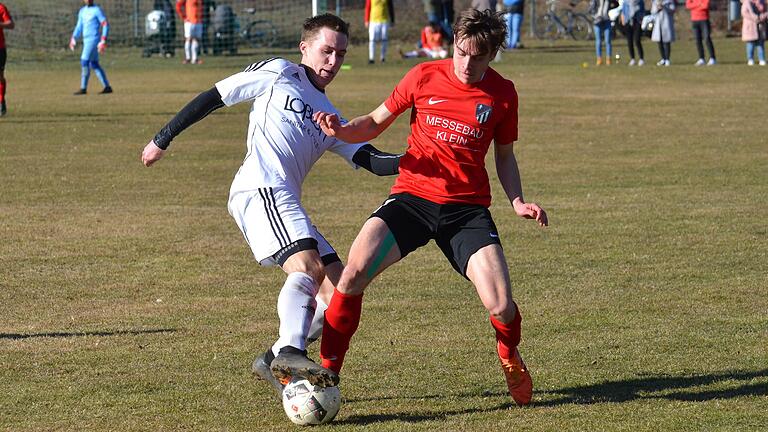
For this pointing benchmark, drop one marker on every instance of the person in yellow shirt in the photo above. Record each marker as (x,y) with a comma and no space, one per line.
(379,15)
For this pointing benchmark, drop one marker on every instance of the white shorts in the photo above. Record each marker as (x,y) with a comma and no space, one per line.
(193,31)
(435,53)
(377,31)
(271,220)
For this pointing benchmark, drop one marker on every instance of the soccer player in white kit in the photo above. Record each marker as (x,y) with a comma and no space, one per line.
(265,197)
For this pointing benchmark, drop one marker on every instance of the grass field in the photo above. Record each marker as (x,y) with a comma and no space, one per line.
(129,301)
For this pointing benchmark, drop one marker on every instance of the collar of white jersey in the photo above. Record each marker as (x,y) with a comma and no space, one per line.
(309,77)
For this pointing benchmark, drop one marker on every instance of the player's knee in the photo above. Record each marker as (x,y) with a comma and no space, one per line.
(316,270)
(84,63)
(353,280)
(93,64)
(502,310)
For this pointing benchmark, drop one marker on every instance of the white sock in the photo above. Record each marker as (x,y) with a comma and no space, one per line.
(316,329)
(371,49)
(296,307)
(195,47)
(187,49)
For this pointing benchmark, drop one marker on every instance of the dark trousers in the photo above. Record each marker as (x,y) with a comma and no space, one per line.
(702,30)
(633,33)
(665,49)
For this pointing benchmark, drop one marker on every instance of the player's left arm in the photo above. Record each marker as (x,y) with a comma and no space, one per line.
(104,31)
(509,176)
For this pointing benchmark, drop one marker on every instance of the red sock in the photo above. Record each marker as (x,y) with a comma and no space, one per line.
(341,320)
(2,90)
(508,335)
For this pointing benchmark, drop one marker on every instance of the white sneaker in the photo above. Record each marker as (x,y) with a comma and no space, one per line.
(762,62)
(667,63)
(631,62)
(750,62)
(700,62)
(711,62)
(641,62)
(660,62)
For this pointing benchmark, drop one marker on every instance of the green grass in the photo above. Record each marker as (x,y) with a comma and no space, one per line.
(129,301)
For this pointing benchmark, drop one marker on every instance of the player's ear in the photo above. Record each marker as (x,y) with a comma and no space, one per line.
(303,47)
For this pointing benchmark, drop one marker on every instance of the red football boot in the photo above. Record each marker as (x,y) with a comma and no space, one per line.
(518,379)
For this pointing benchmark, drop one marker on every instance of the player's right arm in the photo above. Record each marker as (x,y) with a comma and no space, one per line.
(204,104)
(78,30)
(359,129)
(6,22)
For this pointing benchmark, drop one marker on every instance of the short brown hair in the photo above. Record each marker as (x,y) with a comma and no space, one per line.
(313,25)
(486,29)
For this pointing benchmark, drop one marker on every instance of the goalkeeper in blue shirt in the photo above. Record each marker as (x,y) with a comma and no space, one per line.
(93,27)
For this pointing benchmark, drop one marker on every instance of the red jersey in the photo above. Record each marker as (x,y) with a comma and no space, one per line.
(431,39)
(190,10)
(5,16)
(452,125)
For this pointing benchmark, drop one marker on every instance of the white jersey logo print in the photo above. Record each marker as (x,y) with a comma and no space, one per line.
(436,101)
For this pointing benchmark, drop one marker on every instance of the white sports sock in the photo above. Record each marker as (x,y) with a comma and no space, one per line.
(187,49)
(371,50)
(316,329)
(296,307)
(195,47)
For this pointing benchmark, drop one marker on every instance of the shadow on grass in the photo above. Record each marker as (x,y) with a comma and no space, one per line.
(678,388)
(416,417)
(16,336)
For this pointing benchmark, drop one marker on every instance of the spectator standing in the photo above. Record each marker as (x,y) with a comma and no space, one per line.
(6,22)
(632,13)
(514,16)
(602,28)
(432,43)
(191,13)
(701,29)
(168,35)
(754,15)
(209,6)
(379,14)
(93,27)
(664,28)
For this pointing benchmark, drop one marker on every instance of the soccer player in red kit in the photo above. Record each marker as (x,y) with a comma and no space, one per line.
(6,23)
(458,106)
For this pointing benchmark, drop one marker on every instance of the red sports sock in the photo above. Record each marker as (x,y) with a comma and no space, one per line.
(508,335)
(2,90)
(341,320)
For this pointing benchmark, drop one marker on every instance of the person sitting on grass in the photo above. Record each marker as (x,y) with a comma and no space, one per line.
(432,43)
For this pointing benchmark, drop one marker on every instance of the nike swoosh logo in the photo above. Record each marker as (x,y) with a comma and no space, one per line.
(436,101)
(494,235)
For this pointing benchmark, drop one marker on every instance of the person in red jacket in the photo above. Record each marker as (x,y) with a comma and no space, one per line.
(6,22)
(191,12)
(701,29)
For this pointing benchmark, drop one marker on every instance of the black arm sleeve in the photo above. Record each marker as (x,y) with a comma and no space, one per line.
(377,161)
(204,104)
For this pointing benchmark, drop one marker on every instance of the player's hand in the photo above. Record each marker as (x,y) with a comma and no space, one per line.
(72,44)
(101,47)
(329,123)
(151,154)
(530,211)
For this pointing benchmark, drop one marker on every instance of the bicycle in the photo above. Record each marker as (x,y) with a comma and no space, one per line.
(551,25)
(258,33)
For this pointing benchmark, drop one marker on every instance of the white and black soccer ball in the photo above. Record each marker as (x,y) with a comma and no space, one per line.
(306,404)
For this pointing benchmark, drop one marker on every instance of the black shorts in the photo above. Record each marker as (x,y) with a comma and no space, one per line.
(459,230)
(3,57)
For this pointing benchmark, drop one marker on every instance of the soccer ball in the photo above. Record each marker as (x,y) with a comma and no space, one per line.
(306,404)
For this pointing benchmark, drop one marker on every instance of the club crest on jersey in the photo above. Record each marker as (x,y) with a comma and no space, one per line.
(483,113)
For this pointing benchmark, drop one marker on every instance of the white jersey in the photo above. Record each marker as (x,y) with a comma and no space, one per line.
(283,140)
